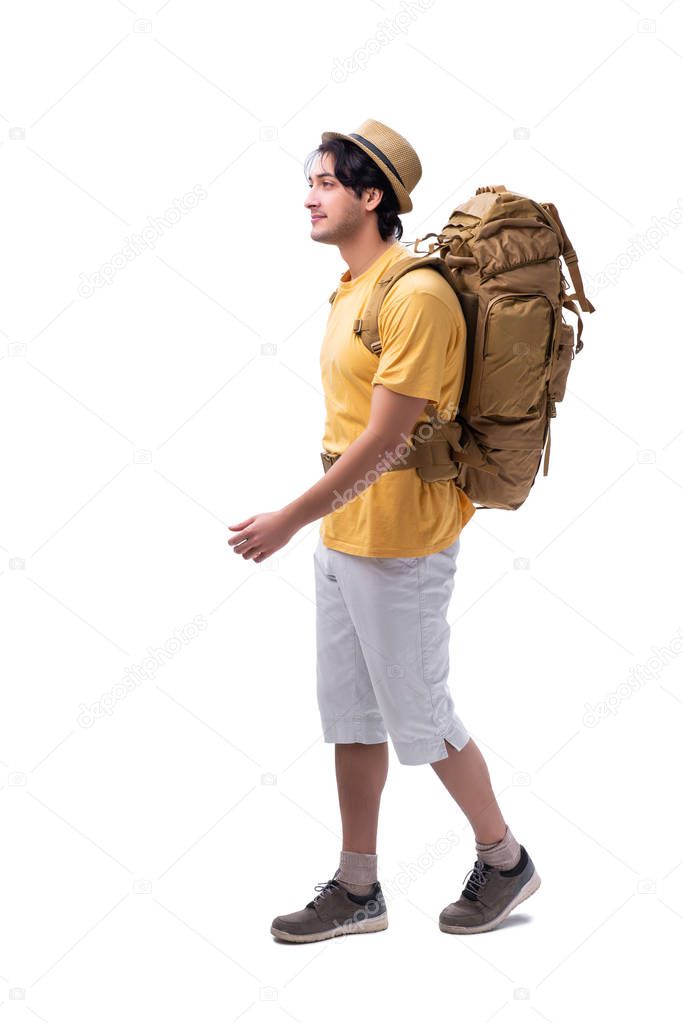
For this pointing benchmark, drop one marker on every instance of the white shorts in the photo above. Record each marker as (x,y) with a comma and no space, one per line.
(382,651)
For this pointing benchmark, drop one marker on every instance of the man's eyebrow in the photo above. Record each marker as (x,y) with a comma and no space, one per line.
(323,176)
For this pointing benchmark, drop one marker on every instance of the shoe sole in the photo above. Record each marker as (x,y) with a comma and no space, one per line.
(532,885)
(378,923)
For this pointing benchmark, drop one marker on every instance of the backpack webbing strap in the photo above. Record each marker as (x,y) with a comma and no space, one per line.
(569,304)
(572,261)
(547,453)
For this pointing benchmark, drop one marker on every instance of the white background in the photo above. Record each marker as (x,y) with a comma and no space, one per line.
(144,854)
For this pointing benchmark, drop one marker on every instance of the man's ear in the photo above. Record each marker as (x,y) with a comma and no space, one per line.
(375,197)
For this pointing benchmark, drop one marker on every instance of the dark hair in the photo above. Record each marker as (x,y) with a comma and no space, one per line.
(357,171)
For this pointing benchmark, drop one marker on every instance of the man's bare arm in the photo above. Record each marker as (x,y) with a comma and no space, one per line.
(392,419)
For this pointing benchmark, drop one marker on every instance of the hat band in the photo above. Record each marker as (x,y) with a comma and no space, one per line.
(378,153)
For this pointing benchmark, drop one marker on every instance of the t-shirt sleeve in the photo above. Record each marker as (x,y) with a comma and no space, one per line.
(415,327)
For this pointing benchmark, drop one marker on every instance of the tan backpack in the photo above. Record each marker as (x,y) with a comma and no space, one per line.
(500,252)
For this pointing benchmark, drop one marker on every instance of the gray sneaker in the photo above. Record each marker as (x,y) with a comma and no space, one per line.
(334,911)
(489,896)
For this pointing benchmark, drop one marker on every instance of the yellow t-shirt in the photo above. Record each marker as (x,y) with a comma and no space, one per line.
(423,334)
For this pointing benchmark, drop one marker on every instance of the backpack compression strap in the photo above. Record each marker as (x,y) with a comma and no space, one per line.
(572,261)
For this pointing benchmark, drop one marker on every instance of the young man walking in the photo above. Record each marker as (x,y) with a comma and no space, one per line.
(387,548)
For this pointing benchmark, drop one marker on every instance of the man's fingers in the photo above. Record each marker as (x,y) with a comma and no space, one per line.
(236,541)
(241,525)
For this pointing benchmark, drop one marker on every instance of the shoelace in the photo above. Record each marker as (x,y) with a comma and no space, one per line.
(325,888)
(478,876)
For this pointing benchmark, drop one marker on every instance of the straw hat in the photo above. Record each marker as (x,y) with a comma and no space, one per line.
(393,154)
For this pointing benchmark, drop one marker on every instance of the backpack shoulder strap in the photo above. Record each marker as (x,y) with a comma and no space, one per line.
(367,328)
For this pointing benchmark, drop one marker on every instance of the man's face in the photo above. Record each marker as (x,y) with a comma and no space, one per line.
(335,211)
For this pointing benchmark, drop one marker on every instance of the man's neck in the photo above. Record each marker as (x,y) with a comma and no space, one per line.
(359,254)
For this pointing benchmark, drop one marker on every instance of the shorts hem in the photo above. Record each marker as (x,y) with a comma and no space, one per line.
(430,751)
(344,735)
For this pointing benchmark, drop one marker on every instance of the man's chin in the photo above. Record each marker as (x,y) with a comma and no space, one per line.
(321,236)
